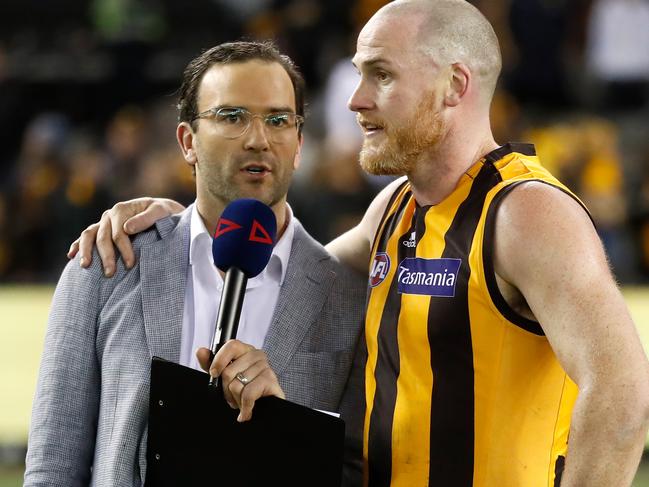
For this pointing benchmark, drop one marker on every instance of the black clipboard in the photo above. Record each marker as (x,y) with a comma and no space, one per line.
(194,438)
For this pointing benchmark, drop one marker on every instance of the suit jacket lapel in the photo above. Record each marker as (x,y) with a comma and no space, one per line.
(163,269)
(308,280)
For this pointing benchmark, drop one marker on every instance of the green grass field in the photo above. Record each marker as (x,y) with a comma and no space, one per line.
(23,317)
(23,312)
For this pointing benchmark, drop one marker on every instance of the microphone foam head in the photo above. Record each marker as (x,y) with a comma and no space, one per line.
(245,236)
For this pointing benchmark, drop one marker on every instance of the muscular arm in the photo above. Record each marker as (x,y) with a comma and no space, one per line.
(547,248)
(353,247)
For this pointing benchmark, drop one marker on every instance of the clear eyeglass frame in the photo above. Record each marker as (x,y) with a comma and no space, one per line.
(234,122)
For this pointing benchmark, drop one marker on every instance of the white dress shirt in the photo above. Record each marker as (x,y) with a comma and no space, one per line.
(205,284)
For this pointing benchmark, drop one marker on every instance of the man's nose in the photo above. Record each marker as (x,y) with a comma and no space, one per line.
(256,137)
(361,98)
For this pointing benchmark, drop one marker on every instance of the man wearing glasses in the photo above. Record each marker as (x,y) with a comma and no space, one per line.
(241,113)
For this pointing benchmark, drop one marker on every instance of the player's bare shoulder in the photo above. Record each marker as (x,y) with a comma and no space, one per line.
(537,226)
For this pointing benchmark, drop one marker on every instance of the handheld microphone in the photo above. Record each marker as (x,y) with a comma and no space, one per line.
(242,246)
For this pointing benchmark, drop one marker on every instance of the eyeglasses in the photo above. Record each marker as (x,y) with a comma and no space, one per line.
(233,122)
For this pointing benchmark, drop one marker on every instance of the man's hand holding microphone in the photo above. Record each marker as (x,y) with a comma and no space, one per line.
(242,246)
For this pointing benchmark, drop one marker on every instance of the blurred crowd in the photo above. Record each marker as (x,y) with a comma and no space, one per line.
(87,110)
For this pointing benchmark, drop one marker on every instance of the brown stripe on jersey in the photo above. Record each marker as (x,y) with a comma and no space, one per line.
(388,227)
(386,372)
(393,198)
(451,351)
(497,154)
(393,220)
(558,470)
(420,222)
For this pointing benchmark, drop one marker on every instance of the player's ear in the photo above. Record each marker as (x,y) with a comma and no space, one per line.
(459,78)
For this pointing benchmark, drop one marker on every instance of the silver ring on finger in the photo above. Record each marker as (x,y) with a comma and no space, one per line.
(242,378)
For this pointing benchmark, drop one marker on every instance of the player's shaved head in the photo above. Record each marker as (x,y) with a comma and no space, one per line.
(453,31)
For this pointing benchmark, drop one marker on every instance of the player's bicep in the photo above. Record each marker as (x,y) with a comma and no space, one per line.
(353,247)
(547,247)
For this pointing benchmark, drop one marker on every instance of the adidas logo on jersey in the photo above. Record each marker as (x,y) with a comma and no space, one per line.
(412,241)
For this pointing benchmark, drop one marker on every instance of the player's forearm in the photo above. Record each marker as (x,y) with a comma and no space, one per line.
(607,437)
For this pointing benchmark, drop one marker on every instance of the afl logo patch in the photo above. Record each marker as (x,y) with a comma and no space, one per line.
(380,268)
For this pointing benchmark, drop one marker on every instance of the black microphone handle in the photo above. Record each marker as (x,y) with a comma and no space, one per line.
(227,319)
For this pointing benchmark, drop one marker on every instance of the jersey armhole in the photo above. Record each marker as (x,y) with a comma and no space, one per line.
(487,257)
(488,264)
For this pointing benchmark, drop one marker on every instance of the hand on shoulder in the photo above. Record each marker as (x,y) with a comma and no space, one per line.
(113,229)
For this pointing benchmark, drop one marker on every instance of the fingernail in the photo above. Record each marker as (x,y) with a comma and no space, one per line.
(108,272)
(128,263)
(240,418)
(82,261)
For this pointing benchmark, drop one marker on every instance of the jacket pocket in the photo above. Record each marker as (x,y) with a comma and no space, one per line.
(140,457)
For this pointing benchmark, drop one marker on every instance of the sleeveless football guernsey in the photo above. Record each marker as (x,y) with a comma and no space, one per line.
(460,389)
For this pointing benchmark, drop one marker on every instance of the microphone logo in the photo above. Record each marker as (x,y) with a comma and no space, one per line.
(259,234)
(225,226)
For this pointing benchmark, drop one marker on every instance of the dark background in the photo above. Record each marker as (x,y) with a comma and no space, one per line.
(87,117)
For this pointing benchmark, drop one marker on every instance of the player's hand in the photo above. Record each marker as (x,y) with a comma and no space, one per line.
(234,358)
(124,219)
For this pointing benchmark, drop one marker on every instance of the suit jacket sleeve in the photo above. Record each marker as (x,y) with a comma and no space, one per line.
(65,409)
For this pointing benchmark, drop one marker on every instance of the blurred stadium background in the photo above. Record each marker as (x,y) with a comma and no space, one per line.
(87,118)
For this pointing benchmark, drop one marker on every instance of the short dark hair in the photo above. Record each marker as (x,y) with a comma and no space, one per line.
(234,52)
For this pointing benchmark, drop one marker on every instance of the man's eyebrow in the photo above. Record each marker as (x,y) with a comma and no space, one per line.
(278,109)
(371,62)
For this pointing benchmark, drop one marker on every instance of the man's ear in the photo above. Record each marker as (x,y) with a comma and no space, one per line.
(185,137)
(458,84)
(298,152)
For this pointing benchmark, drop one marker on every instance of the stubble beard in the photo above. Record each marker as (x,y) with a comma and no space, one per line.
(222,185)
(403,146)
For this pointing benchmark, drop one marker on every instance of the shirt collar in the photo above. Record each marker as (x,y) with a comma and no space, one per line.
(200,247)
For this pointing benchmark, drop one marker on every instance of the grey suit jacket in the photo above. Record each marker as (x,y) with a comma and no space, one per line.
(89,416)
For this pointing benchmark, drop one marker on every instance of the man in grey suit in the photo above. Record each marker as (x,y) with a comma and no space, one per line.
(241,110)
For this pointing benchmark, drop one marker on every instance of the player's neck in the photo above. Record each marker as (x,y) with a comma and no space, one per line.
(437,174)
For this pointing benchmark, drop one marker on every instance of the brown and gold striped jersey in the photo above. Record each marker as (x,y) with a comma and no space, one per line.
(460,389)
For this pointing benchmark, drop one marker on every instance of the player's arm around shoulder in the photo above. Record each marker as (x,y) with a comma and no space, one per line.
(353,247)
(547,248)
